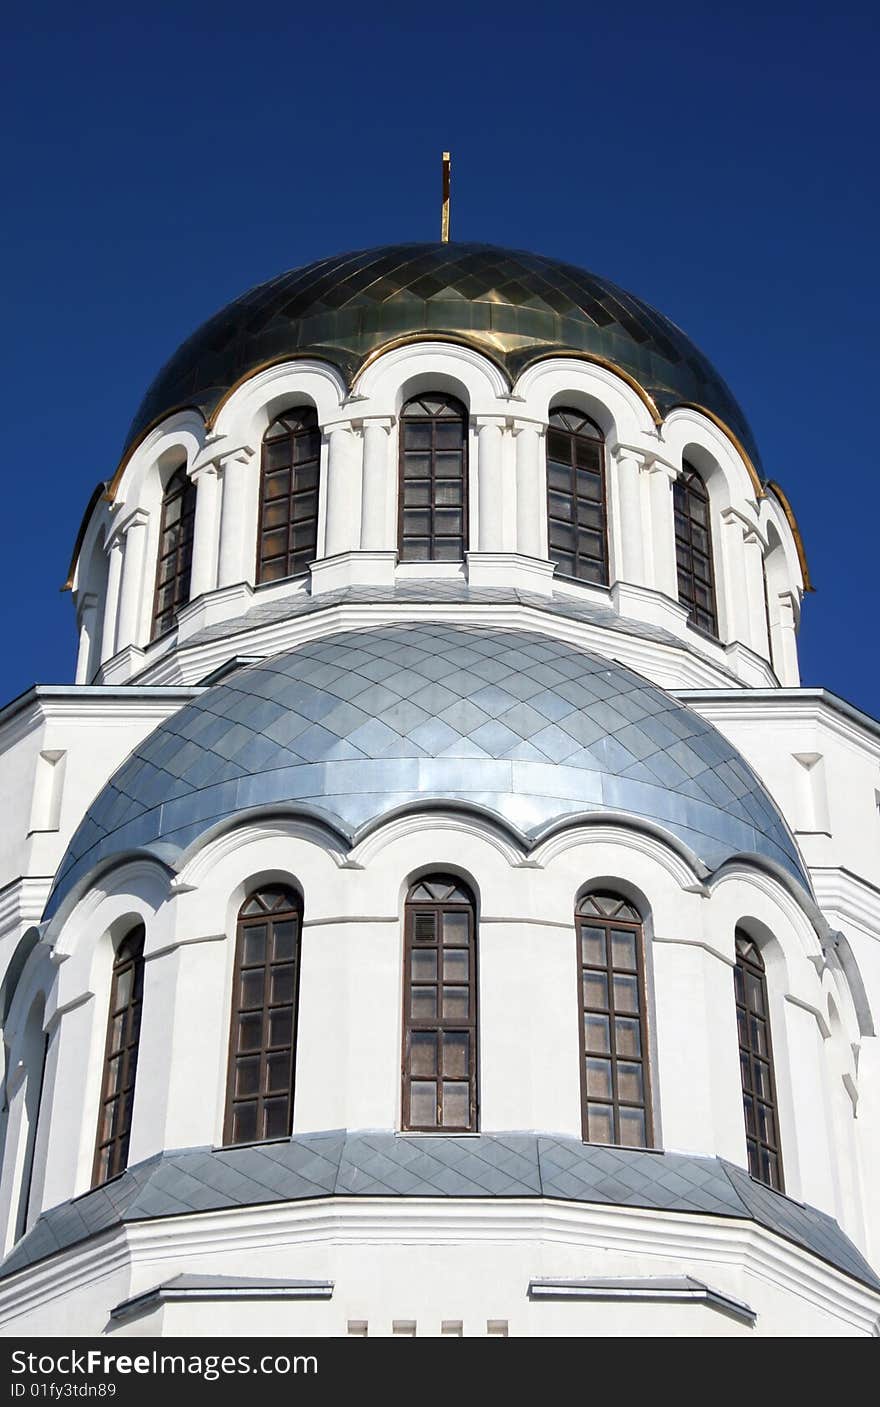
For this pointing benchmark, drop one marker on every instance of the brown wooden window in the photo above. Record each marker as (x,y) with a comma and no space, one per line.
(175,550)
(259,1101)
(613,1035)
(433,480)
(756,1063)
(120,1058)
(576,513)
(440,1007)
(288,539)
(693,549)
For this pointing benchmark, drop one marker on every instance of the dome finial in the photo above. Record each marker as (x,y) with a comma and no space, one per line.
(444,209)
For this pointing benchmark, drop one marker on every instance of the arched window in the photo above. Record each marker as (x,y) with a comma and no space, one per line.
(262,1052)
(433,480)
(175,550)
(440,1007)
(576,514)
(756,1063)
(120,1058)
(614,1041)
(288,538)
(693,549)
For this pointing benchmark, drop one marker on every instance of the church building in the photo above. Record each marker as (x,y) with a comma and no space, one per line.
(436,908)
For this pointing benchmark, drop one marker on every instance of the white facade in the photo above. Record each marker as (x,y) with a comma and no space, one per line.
(432,1261)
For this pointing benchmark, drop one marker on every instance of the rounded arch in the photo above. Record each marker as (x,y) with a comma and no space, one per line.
(263,1025)
(687,433)
(428,870)
(577,495)
(440,1006)
(174,544)
(177,439)
(616,406)
(290,474)
(121,1047)
(271,877)
(386,383)
(249,408)
(25,1053)
(433,472)
(613,886)
(757,1055)
(617,1096)
(90,596)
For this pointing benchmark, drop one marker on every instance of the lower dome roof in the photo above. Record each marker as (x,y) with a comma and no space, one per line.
(353,727)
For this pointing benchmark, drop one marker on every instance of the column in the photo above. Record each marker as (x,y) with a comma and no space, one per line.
(88,616)
(341,531)
(785,653)
(203,574)
(530,507)
(665,571)
(632,565)
(234,549)
(489,484)
(753,550)
(111,607)
(131,590)
(735,601)
(376,475)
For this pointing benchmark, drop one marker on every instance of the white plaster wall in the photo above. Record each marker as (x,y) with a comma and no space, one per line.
(481,1258)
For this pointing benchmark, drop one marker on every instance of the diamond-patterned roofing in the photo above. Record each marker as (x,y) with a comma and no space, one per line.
(380,1164)
(510,304)
(353,726)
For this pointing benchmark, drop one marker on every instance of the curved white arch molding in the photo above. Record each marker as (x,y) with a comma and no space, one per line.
(399,827)
(799,910)
(771,511)
(612,402)
(680,863)
(183,431)
(384,384)
(243,417)
(206,853)
(117,880)
(684,427)
(34,979)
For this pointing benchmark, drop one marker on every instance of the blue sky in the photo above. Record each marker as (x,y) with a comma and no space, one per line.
(719,161)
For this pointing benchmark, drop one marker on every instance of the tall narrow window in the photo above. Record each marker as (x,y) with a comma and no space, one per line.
(440,1007)
(756,1063)
(433,480)
(576,514)
(288,539)
(613,1036)
(693,549)
(175,550)
(120,1058)
(259,1101)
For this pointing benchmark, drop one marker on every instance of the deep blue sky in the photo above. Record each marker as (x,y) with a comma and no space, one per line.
(717,160)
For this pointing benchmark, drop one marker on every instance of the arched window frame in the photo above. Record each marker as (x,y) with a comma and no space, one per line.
(433,500)
(290,478)
(694,552)
(430,964)
(577,497)
(264,1018)
(119,1071)
(174,558)
(757,1072)
(612,1022)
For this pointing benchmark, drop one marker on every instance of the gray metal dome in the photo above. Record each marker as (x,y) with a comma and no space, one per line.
(352,727)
